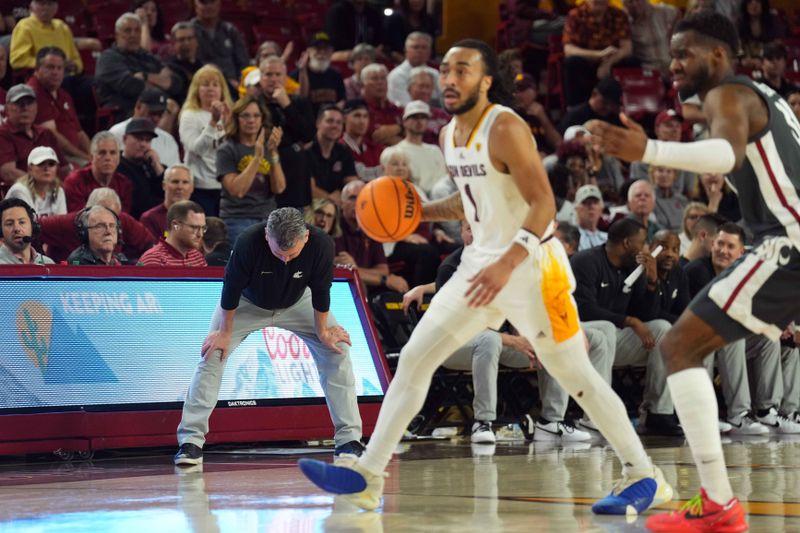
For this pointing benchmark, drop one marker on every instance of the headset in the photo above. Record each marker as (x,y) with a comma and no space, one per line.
(82,219)
(36,228)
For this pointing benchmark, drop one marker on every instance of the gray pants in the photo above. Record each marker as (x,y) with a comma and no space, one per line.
(335,370)
(602,341)
(790,366)
(630,352)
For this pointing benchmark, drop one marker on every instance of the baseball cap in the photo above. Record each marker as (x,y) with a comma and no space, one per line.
(587,191)
(141,125)
(524,81)
(320,39)
(667,115)
(610,90)
(18,92)
(417,107)
(155,99)
(352,105)
(252,78)
(40,154)
(573,132)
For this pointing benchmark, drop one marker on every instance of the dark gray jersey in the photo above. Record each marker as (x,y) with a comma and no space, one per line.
(768,183)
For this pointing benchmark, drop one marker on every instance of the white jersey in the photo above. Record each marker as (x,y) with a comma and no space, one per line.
(493,205)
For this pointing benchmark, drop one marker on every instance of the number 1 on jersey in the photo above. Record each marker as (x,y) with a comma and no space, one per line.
(472,201)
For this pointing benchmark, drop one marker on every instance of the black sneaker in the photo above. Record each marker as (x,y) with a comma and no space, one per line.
(658,424)
(353,447)
(189,454)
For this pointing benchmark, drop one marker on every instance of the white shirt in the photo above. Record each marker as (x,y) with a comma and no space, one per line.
(590,239)
(200,143)
(165,145)
(426,162)
(49,205)
(398,84)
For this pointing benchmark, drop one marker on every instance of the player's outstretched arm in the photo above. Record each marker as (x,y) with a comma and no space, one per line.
(449,208)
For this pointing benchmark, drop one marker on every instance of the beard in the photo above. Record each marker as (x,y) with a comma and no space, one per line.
(700,83)
(469,103)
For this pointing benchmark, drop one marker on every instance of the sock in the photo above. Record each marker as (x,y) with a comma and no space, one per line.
(696,405)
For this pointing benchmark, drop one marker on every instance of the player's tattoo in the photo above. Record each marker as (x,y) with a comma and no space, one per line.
(449,208)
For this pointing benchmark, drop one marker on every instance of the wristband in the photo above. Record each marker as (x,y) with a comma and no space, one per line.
(528,240)
(383,281)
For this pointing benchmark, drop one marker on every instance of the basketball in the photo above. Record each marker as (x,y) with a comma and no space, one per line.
(388,209)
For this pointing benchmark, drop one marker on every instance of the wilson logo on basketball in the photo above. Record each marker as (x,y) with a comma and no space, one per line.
(388,209)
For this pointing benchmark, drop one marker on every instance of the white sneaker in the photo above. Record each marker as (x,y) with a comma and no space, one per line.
(724,427)
(783,424)
(558,431)
(744,424)
(588,424)
(482,433)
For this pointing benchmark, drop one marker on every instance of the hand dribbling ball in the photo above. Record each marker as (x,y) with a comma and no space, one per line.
(388,209)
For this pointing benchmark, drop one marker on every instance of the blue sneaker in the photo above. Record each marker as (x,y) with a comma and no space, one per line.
(635,495)
(347,478)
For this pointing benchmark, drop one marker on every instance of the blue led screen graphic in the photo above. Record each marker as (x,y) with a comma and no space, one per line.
(82,343)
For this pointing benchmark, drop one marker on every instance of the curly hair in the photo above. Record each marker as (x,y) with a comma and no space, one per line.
(713,26)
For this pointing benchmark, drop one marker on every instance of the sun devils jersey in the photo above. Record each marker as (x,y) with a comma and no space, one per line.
(493,205)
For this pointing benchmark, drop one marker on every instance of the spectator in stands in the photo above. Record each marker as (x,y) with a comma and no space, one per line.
(40,187)
(126,69)
(216,246)
(603,103)
(668,128)
(570,237)
(294,115)
(714,191)
(142,165)
(790,366)
(265,50)
(332,164)
(691,214)
(183,243)
(19,135)
(178,186)
(366,154)
(319,82)
(426,161)
(203,119)
(758,25)
(547,136)
(569,173)
(651,28)
(641,205)
(703,234)
(183,61)
(220,42)
(417,54)
(794,100)
(601,295)
(673,285)
(55,107)
(3,70)
(773,68)
(363,54)
(250,180)
(101,172)
(60,237)
(352,22)
(324,214)
(153,38)
(669,204)
(588,210)
(596,38)
(100,231)
(421,83)
(385,117)
(410,16)
(354,249)
(152,105)
(19,225)
(39,30)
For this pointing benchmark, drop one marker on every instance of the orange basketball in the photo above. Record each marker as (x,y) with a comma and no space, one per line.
(388,209)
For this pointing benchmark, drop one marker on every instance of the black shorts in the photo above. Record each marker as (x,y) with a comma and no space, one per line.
(759,293)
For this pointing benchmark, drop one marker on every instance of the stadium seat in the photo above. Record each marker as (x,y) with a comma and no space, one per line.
(642,90)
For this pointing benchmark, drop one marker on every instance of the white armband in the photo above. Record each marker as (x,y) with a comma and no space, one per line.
(709,155)
(527,240)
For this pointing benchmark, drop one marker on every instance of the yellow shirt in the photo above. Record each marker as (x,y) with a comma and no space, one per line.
(30,36)
(290,85)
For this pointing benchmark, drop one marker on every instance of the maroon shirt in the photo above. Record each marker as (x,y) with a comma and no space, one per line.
(387,114)
(80,184)
(60,109)
(366,156)
(155,220)
(15,145)
(61,236)
(164,254)
(438,119)
(366,252)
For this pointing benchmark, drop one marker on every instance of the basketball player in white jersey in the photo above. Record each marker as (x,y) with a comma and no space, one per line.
(514,270)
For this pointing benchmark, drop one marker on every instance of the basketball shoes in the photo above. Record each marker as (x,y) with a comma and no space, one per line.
(356,485)
(635,494)
(701,515)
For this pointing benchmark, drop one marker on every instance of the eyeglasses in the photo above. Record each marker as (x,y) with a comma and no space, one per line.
(109,226)
(195,229)
(325,214)
(248,116)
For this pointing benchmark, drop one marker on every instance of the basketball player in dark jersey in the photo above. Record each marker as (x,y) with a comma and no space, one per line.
(755,139)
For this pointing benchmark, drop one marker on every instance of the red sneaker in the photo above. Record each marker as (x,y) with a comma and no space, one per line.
(701,515)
